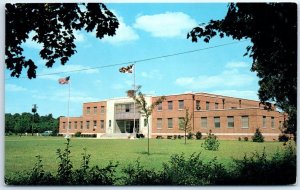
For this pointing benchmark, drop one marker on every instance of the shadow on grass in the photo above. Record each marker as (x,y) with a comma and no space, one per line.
(152,153)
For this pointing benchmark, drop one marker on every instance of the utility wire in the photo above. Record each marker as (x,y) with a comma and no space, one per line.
(136,61)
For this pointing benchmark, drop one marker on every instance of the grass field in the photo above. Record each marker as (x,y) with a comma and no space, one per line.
(20,152)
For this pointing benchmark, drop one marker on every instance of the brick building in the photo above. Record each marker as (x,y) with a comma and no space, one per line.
(227,117)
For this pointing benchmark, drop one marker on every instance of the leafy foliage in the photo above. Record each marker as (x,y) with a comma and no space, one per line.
(258,137)
(53,26)
(23,123)
(211,142)
(185,124)
(146,109)
(272,29)
(257,169)
(198,135)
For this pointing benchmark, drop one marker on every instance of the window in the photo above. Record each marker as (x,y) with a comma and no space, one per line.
(127,107)
(102,109)
(109,123)
(216,105)
(75,125)
(217,122)
(95,110)
(207,105)
(87,124)
(204,122)
(181,122)
(245,122)
(170,123)
(159,123)
(145,122)
(70,125)
(264,119)
(64,125)
(95,123)
(81,124)
(159,107)
(181,104)
(102,124)
(198,105)
(170,105)
(88,110)
(230,121)
(272,122)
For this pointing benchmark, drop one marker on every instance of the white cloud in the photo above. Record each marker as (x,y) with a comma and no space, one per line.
(228,78)
(14,88)
(233,65)
(124,33)
(153,74)
(79,36)
(169,24)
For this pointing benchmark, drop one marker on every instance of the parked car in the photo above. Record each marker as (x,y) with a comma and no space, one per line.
(47,133)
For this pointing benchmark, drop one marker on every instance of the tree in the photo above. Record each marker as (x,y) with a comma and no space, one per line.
(185,123)
(53,26)
(272,29)
(146,109)
(258,137)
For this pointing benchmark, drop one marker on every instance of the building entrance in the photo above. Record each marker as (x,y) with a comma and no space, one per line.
(126,126)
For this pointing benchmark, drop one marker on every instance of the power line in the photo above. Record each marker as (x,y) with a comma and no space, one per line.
(136,61)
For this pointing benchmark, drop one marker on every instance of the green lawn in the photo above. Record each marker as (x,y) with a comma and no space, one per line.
(20,152)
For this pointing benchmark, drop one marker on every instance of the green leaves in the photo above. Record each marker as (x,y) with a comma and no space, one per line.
(54,25)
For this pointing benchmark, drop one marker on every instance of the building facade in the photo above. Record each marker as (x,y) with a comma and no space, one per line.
(227,117)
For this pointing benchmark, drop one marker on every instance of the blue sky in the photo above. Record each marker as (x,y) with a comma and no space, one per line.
(146,30)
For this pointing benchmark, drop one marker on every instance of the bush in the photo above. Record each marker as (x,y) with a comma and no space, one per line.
(211,142)
(179,136)
(239,138)
(192,171)
(198,135)
(78,134)
(283,138)
(169,137)
(246,139)
(175,137)
(260,169)
(190,135)
(257,137)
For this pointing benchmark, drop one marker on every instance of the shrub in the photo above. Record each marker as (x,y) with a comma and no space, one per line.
(78,134)
(283,138)
(260,169)
(198,135)
(169,137)
(190,135)
(175,137)
(257,137)
(179,136)
(138,175)
(246,139)
(159,137)
(211,142)
(239,138)
(191,171)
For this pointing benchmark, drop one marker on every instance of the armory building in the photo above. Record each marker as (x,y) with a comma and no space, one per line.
(226,117)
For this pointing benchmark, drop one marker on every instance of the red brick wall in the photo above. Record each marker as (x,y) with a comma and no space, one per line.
(94,115)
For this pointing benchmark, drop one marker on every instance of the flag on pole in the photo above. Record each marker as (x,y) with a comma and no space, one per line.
(128,69)
(64,80)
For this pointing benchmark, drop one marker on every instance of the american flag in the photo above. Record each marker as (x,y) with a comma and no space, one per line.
(127,69)
(64,80)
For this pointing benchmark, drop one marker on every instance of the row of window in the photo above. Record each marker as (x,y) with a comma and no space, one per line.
(170,105)
(181,105)
(217,123)
(79,124)
(95,109)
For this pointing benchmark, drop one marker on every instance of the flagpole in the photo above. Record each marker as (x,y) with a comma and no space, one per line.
(67,136)
(134,90)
